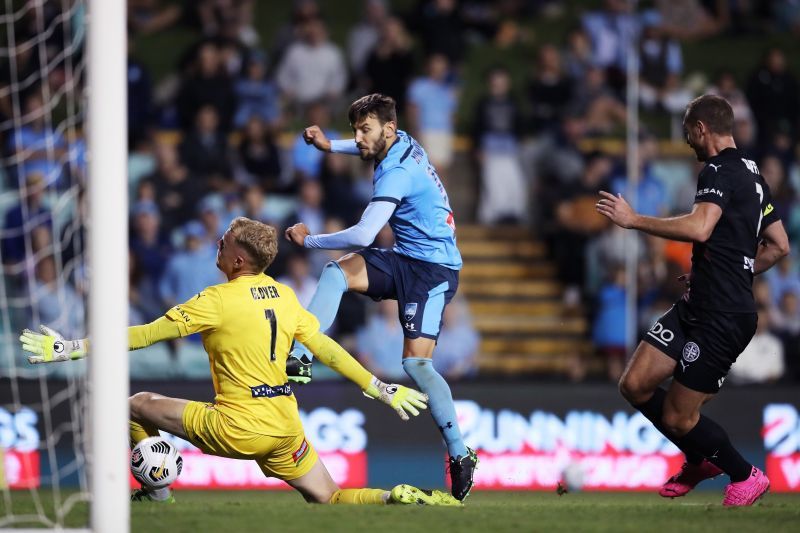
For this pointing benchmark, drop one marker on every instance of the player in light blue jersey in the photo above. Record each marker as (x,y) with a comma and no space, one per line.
(420,272)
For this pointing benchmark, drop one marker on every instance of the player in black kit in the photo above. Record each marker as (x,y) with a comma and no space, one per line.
(736,235)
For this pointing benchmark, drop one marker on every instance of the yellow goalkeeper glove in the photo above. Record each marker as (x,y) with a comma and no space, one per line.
(402,399)
(50,346)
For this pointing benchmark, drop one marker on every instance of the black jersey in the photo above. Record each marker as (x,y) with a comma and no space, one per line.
(722,267)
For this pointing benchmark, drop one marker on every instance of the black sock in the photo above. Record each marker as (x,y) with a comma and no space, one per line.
(708,438)
(653,409)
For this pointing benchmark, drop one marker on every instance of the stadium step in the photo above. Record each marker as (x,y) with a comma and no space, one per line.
(481,249)
(532,325)
(493,234)
(505,270)
(516,304)
(511,289)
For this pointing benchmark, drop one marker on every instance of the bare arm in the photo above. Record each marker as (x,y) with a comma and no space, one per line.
(693,227)
(774,246)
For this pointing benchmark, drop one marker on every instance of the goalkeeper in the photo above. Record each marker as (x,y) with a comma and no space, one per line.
(247,326)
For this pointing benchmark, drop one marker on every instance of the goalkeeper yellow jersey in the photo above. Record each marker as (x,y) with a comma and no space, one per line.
(247,326)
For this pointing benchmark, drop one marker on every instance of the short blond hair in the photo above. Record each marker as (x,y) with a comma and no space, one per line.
(258,239)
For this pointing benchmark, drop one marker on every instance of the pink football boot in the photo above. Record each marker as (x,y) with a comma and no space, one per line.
(690,475)
(746,492)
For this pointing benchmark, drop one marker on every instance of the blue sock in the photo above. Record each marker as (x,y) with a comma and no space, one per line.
(325,303)
(440,401)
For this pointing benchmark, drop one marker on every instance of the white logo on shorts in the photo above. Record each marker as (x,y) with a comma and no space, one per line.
(661,334)
(410,311)
(691,352)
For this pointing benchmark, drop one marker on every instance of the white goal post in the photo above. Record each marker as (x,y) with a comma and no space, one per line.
(108,265)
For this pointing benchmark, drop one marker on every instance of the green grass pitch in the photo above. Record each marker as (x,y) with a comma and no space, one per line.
(491,512)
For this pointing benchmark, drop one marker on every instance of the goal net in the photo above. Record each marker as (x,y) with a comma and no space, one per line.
(45,466)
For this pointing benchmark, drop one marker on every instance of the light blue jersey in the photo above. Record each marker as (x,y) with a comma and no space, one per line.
(422,223)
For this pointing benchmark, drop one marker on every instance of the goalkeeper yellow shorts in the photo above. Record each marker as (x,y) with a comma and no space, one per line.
(285,458)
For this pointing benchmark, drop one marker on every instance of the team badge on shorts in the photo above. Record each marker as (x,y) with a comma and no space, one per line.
(301,453)
(691,352)
(410,311)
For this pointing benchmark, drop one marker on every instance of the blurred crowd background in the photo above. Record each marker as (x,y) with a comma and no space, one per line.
(520,104)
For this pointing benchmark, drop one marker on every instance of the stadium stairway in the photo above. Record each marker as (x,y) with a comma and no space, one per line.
(516,304)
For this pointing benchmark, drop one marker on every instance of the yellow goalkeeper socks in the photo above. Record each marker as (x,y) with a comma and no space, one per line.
(360,496)
(138,432)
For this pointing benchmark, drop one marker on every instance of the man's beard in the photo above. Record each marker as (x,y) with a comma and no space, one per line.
(380,145)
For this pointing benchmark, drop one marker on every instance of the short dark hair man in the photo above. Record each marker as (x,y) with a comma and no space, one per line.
(736,235)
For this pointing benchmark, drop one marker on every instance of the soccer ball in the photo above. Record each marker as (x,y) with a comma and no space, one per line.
(573,476)
(155,463)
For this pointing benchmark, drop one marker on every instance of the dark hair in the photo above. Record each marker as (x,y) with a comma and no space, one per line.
(378,105)
(713,111)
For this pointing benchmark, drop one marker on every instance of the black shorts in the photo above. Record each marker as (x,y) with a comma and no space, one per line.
(704,343)
(422,289)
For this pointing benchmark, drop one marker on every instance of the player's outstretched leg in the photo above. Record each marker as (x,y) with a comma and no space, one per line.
(324,305)
(409,495)
(687,479)
(463,460)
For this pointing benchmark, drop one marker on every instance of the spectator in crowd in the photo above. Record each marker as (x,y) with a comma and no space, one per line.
(457,348)
(497,132)
(309,208)
(726,86)
(783,196)
(204,150)
(258,156)
(786,15)
(660,69)
(257,206)
(341,200)
(207,82)
(189,271)
(608,330)
(576,221)
(364,36)
(256,95)
(291,31)
(298,276)
(689,20)
(307,160)
(313,68)
(55,302)
(140,112)
(549,92)
(578,55)
(606,250)
(150,249)
(35,146)
(441,29)
(23,219)
(785,322)
(211,213)
(432,103)
(390,65)
(774,97)
(152,16)
(213,16)
(560,160)
(611,30)
(782,279)
(379,342)
(651,195)
(762,359)
(175,190)
(595,101)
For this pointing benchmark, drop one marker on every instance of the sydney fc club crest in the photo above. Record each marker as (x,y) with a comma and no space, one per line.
(410,311)
(691,352)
